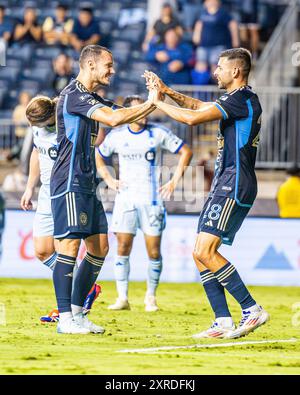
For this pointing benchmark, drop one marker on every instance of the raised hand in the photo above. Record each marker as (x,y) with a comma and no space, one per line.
(153,81)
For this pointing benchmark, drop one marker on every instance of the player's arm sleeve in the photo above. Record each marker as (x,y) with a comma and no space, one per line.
(83,104)
(232,106)
(171,142)
(106,148)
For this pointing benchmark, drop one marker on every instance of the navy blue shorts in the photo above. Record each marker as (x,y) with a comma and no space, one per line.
(222,217)
(78,216)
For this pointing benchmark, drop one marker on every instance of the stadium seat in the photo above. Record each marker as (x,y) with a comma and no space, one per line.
(9,73)
(49,53)
(29,85)
(24,52)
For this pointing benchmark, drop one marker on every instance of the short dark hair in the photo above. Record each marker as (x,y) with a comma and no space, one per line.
(241,54)
(91,51)
(294,171)
(129,99)
(62,6)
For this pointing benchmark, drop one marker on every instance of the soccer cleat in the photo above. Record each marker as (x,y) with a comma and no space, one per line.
(250,321)
(72,327)
(119,305)
(82,321)
(53,316)
(90,299)
(217,331)
(150,303)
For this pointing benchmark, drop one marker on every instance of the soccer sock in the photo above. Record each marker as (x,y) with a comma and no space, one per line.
(62,278)
(86,276)
(122,270)
(50,262)
(154,271)
(231,280)
(215,294)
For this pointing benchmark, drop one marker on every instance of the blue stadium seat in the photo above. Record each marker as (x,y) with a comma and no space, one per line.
(9,73)
(29,85)
(47,52)
(24,53)
(41,75)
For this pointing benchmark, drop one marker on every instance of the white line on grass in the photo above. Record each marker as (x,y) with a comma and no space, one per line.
(231,344)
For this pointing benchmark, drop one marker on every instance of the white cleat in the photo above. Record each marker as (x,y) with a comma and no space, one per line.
(85,323)
(119,305)
(70,326)
(216,331)
(150,303)
(250,321)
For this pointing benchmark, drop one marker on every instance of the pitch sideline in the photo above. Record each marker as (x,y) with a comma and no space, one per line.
(231,344)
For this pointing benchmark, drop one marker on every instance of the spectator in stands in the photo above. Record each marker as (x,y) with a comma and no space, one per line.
(6,26)
(167,21)
(28,31)
(214,32)
(249,27)
(85,30)
(172,57)
(57,30)
(63,72)
(288,196)
(191,9)
(19,117)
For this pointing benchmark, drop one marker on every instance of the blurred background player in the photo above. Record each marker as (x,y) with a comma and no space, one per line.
(74,183)
(288,196)
(40,113)
(138,203)
(233,190)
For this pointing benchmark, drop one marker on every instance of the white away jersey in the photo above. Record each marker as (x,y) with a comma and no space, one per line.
(140,159)
(45,141)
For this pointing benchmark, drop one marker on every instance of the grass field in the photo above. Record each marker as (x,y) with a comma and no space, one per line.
(28,347)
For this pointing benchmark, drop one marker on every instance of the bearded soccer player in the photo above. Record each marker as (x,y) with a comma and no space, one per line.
(234,187)
(77,213)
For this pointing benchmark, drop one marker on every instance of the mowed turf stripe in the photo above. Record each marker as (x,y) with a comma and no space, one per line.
(231,344)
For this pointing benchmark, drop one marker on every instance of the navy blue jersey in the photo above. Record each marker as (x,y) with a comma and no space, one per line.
(238,139)
(75,168)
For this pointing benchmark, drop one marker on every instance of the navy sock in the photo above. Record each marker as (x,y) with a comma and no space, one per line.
(231,280)
(86,276)
(215,294)
(62,278)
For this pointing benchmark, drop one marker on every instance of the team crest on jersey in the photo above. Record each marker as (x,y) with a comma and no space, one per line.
(83,218)
(150,156)
(52,152)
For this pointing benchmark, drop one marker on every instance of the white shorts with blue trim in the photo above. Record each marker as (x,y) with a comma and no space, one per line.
(43,224)
(128,217)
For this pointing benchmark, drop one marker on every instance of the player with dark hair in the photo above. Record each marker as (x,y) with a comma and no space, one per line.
(138,203)
(234,187)
(77,212)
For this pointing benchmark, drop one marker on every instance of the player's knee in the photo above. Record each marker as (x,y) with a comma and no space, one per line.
(124,248)
(154,253)
(203,255)
(42,255)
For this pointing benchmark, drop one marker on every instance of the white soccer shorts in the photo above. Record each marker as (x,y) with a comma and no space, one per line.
(43,220)
(128,218)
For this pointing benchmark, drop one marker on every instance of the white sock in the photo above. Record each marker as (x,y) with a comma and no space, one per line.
(76,309)
(253,309)
(154,271)
(122,270)
(226,322)
(65,316)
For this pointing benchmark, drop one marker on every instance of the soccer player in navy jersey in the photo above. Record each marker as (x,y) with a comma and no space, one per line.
(77,212)
(234,187)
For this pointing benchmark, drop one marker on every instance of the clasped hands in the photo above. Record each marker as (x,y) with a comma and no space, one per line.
(155,86)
